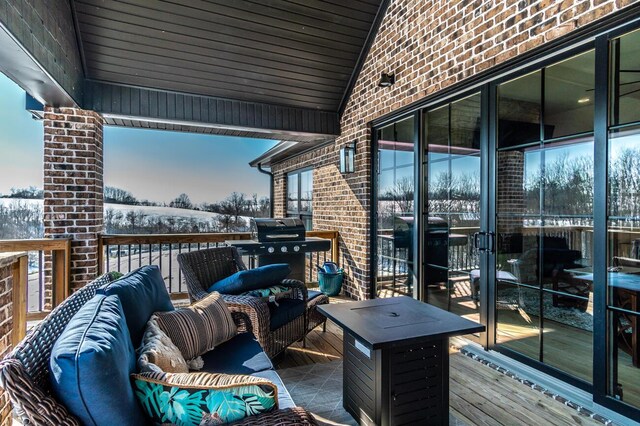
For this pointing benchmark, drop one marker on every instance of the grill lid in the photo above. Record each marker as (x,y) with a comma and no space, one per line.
(283,229)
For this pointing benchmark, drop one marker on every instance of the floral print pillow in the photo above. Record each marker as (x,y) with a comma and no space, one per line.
(270,294)
(203,399)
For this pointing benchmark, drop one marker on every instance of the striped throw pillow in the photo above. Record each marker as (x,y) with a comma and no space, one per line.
(196,399)
(200,327)
(157,351)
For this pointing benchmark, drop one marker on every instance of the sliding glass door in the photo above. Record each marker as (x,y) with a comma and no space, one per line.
(544,205)
(451,200)
(395,242)
(623,221)
(526,196)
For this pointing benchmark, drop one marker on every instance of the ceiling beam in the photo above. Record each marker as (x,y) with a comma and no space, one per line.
(137,103)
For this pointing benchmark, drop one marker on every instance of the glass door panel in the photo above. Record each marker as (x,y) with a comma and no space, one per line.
(623,224)
(452,206)
(395,210)
(544,206)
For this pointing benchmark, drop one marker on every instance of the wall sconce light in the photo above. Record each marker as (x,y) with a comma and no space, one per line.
(386,80)
(347,158)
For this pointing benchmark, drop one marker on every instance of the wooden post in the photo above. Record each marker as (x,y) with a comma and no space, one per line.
(101,255)
(61,266)
(335,248)
(20,279)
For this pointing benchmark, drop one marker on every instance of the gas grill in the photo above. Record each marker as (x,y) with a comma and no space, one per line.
(280,241)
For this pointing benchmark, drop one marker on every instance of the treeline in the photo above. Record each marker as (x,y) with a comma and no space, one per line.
(21,220)
(236,204)
(30,193)
(137,221)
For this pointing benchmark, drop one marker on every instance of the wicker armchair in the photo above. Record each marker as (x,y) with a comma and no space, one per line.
(204,267)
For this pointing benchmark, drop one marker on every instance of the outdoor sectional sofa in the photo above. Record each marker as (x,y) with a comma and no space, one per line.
(25,372)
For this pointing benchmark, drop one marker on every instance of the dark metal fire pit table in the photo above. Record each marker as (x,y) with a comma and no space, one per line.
(396,359)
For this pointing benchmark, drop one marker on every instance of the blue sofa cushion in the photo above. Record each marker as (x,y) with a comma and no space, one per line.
(90,366)
(240,355)
(284,398)
(142,292)
(286,311)
(252,279)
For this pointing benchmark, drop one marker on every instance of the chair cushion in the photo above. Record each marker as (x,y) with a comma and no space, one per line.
(200,327)
(90,366)
(157,352)
(312,294)
(142,292)
(284,398)
(286,311)
(202,398)
(252,279)
(247,356)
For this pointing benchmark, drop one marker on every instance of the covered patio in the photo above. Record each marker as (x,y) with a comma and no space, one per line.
(377,104)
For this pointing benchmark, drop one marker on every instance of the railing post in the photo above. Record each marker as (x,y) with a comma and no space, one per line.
(335,248)
(19,279)
(100,255)
(61,273)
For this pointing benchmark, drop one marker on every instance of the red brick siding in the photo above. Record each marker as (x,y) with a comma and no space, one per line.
(6,329)
(429,46)
(73,185)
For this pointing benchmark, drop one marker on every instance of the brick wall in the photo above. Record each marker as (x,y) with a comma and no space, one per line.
(73,185)
(6,328)
(429,45)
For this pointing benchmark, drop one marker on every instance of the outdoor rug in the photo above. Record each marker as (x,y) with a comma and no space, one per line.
(318,388)
(508,299)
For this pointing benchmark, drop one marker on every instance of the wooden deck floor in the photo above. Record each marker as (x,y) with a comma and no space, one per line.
(479,394)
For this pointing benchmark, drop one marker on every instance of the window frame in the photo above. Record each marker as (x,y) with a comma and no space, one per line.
(306,215)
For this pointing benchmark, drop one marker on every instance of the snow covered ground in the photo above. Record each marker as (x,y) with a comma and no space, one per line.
(150,213)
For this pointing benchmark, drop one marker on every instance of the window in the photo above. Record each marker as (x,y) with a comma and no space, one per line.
(300,196)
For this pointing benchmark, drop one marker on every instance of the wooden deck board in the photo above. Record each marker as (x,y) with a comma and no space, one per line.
(479,395)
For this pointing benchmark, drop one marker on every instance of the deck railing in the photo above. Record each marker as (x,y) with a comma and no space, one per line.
(123,253)
(393,261)
(48,267)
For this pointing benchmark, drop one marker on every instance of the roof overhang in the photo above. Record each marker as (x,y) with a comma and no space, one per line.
(280,69)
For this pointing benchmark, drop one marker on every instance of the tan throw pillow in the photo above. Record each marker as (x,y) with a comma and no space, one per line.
(157,351)
(200,327)
(203,398)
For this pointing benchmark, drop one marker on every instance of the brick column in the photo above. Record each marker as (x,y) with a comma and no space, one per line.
(6,329)
(73,185)
(510,199)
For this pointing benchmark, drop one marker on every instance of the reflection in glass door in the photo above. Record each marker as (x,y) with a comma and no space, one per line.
(395,273)
(451,164)
(623,222)
(544,208)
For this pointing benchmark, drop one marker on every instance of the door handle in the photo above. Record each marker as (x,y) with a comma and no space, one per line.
(491,236)
(484,241)
(476,241)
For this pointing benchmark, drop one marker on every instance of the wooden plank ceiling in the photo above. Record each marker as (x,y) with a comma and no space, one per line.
(294,53)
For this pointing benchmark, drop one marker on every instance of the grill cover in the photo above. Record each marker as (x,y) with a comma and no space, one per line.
(272,230)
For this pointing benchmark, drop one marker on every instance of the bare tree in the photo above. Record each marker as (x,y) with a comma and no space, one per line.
(182,201)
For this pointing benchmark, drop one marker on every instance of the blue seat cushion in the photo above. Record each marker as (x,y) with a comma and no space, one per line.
(142,292)
(252,279)
(312,294)
(90,366)
(286,311)
(240,355)
(284,398)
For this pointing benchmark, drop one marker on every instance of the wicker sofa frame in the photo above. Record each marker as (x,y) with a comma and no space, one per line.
(24,372)
(204,267)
